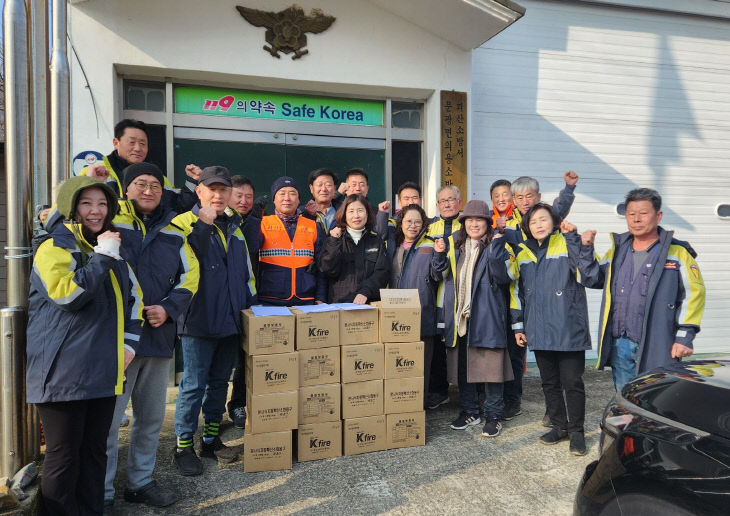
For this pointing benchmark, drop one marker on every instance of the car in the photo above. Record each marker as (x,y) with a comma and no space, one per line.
(664,446)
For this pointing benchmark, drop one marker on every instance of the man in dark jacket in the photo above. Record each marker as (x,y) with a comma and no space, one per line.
(242,199)
(211,331)
(131,144)
(168,273)
(653,293)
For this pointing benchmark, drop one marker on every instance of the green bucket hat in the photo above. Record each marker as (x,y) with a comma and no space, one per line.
(70,190)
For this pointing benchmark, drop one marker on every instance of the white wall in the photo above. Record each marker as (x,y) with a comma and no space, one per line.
(626,98)
(367,52)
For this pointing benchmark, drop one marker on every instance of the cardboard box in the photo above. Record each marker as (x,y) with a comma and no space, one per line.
(319,441)
(361,399)
(319,366)
(359,326)
(400,315)
(362,362)
(266,335)
(364,434)
(272,373)
(317,329)
(319,403)
(403,359)
(406,429)
(403,395)
(271,451)
(273,412)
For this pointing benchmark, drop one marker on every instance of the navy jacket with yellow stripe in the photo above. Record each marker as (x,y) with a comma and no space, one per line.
(547,297)
(166,268)
(224,264)
(84,308)
(675,298)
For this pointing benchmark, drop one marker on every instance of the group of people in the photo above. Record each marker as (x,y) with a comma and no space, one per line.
(127,263)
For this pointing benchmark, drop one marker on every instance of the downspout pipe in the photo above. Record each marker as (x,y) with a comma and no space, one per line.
(60,127)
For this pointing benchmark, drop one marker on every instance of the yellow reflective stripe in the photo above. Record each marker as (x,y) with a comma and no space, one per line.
(452,265)
(557,246)
(56,267)
(608,259)
(251,279)
(694,287)
(135,291)
(119,387)
(190,278)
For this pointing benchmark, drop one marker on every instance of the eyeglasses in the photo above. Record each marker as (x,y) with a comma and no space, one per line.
(450,200)
(143,187)
(413,223)
(527,197)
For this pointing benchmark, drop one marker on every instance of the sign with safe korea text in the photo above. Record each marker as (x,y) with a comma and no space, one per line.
(277,106)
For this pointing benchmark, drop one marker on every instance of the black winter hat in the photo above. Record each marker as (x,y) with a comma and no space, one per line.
(132,172)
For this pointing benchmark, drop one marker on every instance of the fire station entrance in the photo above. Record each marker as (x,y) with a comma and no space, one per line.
(264,156)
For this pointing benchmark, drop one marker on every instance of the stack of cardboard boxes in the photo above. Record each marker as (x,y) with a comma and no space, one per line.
(319,433)
(400,331)
(354,383)
(272,388)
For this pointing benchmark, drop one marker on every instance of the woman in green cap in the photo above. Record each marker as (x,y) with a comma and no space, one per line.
(85,317)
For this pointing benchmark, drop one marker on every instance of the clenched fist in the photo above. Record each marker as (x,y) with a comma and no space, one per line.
(567,227)
(588,237)
(207,214)
(336,232)
(98,171)
(571,178)
(384,206)
(193,171)
(439,245)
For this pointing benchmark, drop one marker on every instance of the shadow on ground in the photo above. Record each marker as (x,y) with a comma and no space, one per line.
(456,472)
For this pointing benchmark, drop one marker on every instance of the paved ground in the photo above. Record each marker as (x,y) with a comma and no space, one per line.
(456,472)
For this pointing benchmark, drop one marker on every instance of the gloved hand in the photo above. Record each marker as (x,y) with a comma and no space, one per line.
(108,244)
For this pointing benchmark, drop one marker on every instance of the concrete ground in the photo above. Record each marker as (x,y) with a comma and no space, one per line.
(456,472)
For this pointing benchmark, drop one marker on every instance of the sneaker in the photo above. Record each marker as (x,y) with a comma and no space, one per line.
(492,427)
(125,420)
(217,450)
(577,443)
(238,416)
(435,400)
(188,462)
(152,494)
(511,410)
(465,419)
(554,436)
(546,421)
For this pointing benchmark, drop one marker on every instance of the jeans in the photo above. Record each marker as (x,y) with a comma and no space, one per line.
(439,384)
(563,368)
(208,364)
(72,481)
(468,395)
(147,387)
(517,355)
(623,361)
(238,389)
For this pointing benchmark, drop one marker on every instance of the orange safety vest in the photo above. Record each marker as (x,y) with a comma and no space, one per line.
(279,250)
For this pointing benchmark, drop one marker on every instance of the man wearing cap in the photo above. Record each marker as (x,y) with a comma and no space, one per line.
(211,329)
(289,246)
(168,273)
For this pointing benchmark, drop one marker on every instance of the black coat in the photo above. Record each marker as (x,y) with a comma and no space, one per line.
(352,269)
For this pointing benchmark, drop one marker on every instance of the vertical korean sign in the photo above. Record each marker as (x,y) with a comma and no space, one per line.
(453,140)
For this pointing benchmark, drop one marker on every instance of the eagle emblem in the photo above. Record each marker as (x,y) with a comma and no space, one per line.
(285,30)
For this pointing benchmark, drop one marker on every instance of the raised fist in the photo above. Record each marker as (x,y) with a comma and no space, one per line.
(98,171)
(588,237)
(193,171)
(336,232)
(207,214)
(567,227)
(384,206)
(571,178)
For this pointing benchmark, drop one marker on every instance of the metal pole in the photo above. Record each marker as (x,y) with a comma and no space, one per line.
(39,104)
(17,151)
(60,128)
(12,332)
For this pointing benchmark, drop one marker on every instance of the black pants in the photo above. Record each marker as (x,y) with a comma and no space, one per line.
(439,384)
(517,354)
(75,464)
(566,368)
(428,345)
(238,391)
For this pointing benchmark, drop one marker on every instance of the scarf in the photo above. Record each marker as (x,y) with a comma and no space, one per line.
(288,220)
(463,288)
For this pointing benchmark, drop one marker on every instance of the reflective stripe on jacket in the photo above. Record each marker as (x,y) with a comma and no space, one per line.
(547,300)
(166,268)
(286,266)
(436,230)
(84,308)
(675,297)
